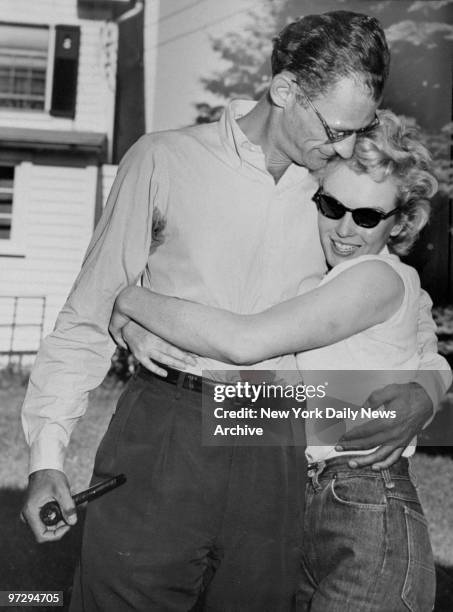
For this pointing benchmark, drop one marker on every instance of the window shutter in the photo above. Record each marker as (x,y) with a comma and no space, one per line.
(66,63)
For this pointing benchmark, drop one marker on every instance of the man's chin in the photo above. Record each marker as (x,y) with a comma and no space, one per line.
(316,164)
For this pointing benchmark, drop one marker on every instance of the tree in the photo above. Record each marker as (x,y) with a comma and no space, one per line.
(247,53)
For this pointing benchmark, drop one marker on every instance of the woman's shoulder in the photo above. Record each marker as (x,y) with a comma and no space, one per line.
(370,280)
(381,266)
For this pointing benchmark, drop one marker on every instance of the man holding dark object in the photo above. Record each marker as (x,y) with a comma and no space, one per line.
(199,520)
(50,513)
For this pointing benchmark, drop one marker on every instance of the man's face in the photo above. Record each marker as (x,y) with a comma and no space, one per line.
(342,239)
(347,105)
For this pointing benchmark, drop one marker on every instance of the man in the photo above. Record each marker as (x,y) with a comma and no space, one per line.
(231,201)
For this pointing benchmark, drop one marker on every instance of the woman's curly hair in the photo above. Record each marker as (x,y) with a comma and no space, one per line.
(393,149)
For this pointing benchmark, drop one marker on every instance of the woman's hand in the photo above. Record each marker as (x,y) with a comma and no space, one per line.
(147,347)
(118,321)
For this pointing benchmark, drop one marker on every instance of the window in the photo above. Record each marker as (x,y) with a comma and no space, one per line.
(24,52)
(39,68)
(6,201)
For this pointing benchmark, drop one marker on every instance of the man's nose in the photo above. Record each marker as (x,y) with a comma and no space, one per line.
(345,148)
(345,225)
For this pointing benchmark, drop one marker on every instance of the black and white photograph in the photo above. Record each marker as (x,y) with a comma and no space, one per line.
(226,305)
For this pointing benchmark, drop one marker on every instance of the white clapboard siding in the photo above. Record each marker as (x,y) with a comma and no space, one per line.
(108,176)
(97,67)
(58,216)
(38,12)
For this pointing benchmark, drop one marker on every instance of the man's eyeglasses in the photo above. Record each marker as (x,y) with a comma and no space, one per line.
(331,208)
(334,135)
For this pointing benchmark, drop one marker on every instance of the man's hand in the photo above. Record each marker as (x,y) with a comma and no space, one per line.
(147,347)
(45,486)
(413,408)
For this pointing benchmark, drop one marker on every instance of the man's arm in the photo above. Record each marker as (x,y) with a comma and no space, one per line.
(75,357)
(435,374)
(415,403)
(217,333)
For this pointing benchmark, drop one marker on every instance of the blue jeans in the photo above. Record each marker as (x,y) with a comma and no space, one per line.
(365,541)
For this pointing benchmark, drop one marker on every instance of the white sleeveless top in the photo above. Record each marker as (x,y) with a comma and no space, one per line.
(365,362)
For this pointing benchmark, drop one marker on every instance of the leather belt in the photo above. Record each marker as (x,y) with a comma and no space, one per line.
(185,380)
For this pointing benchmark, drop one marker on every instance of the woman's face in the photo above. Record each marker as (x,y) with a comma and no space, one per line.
(343,239)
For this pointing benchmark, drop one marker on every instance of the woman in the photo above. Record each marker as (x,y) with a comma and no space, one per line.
(359,524)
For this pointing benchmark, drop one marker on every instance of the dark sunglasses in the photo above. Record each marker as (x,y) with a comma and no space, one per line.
(331,208)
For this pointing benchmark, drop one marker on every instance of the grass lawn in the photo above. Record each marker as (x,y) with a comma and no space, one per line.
(25,565)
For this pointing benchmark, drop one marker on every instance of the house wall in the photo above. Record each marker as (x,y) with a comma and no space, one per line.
(108,176)
(58,210)
(56,197)
(96,73)
(59,204)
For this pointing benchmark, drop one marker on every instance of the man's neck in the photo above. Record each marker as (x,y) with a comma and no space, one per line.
(259,125)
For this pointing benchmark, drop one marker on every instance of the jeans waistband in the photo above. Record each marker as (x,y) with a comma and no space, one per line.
(338,466)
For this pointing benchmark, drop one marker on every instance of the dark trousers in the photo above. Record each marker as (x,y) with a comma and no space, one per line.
(195,527)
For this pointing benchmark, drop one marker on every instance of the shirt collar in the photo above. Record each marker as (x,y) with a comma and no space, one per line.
(243,151)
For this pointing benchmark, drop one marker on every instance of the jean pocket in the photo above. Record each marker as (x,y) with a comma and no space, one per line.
(420,583)
(359,492)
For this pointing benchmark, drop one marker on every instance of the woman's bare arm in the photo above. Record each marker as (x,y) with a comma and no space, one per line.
(360,297)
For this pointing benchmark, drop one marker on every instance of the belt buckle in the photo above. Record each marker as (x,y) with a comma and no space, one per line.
(191,382)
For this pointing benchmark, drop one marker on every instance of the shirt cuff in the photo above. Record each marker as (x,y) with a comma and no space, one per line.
(47,454)
(435,383)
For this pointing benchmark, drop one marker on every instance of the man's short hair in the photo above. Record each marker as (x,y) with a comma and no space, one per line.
(322,49)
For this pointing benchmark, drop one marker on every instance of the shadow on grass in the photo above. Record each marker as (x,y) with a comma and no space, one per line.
(26,565)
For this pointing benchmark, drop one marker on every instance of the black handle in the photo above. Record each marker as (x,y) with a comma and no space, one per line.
(50,513)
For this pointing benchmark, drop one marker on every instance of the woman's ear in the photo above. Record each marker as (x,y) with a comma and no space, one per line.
(396,229)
